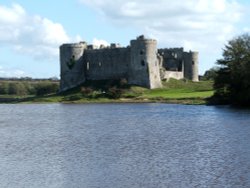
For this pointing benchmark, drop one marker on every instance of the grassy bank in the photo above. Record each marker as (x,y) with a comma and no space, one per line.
(174,91)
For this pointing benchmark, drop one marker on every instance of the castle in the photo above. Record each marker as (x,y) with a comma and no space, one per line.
(141,63)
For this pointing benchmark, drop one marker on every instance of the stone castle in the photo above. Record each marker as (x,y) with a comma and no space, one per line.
(141,63)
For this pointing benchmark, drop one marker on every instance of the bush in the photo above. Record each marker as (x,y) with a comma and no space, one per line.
(17,88)
(86,91)
(4,87)
(46,88)
(114,93)
(123,83)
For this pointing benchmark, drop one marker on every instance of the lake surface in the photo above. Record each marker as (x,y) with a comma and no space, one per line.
(123,146)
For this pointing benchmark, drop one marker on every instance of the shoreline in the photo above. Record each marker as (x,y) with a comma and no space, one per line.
(44,100)
(172,92)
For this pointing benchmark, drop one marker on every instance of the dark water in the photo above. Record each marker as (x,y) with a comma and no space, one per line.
(123,145)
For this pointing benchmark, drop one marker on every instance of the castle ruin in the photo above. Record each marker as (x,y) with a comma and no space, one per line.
(141,63)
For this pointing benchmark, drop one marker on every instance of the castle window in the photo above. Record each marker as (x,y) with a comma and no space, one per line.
(100,64)
(174,55)
(192,62)
(143,63)
(141,52)
(87,66)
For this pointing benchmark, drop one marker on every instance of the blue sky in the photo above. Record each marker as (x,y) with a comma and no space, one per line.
(32,31)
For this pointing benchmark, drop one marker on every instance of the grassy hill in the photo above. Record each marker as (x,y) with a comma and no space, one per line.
(173,91)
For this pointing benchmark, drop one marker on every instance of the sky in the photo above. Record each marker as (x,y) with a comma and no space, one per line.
(32,31)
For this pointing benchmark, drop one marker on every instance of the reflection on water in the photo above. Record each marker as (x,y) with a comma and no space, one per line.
(124,145)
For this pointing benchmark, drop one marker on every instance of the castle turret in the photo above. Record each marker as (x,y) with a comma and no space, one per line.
(191,61)
(144,65)
(72,68)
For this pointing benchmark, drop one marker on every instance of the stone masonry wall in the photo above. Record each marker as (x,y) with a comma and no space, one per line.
(141,63)
(172,58)
(144,65)
(191,66)
(102,64)
(71,63)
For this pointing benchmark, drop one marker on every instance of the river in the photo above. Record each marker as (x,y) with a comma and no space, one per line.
(123,145)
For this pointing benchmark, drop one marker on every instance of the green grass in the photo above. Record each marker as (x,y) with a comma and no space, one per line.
(173,91)
(177,94)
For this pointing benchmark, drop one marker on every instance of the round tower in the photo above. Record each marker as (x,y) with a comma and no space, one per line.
(191,64)
(71,62)
(144,66)
(195,65)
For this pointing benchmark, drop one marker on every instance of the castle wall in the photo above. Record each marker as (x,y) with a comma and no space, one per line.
(71,63)
(173,74)
(141,63)
(144,65)
(172,58)
(103,64)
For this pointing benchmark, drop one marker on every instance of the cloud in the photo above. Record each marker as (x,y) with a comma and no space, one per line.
(11,73)
(202,25)
(30,34)
(99,42)
(246,29)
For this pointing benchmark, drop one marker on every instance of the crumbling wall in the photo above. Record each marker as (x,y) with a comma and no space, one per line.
(172,58)
(173,74)
(141,63)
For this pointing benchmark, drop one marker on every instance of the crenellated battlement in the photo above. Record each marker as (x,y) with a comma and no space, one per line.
(141,63)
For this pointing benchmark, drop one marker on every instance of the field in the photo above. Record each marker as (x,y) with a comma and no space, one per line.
(173,91)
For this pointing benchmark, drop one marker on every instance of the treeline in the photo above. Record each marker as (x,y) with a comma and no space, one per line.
(232,77)
(55,79)
(22,88)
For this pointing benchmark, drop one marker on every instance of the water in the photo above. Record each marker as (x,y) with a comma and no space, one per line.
(123,145)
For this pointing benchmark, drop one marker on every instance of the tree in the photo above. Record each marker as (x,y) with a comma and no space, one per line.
(17,88)
(211,73)
(46,88)
(232,82)
(4,87)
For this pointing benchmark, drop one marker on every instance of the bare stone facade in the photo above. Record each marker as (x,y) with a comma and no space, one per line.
(141,63)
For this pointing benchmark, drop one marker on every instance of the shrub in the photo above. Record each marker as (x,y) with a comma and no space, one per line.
(114,93)
(46,88)
(17,88)
(86,91)
(4,87)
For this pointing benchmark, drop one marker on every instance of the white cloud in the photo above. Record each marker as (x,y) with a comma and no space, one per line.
(201,25)
(11,73)
(99,42)
(192,20)
(31,34)
(246,29)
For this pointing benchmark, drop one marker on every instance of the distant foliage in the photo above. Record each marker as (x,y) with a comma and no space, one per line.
(4,88)
(28,88)
(211,74)
(17,89)
(114,93)
(232,82)
(46,88)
